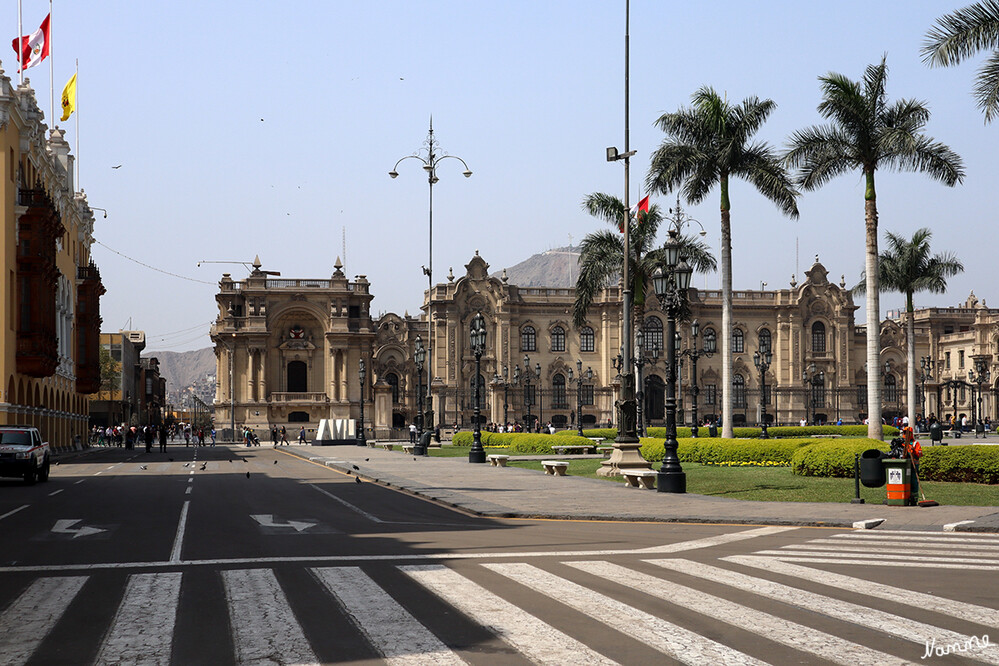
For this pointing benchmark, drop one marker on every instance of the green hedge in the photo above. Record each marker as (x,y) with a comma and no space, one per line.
(778,432)
(972,464)
(522,442)
(832,458)
(716,451)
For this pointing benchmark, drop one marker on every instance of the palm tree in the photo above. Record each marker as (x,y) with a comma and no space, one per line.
(867,133)
(907,267)
(960,35)
(602,253)
(705,145)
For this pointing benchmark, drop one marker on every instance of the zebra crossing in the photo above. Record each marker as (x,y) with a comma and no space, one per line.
(755,608)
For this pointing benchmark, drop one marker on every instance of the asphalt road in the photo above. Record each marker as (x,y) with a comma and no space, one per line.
(128,557)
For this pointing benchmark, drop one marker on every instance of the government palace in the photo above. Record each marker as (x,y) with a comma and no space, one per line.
(289,352)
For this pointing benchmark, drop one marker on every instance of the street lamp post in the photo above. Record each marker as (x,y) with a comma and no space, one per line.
(360,433)
(694,352)
(925,372)
(671,287)
(505,381)
(541,394)
(419,356)
(640,381)
(580,376)
(430,162)
(528,401)
(762,363)
(980,375)
(811,377)
(478,339)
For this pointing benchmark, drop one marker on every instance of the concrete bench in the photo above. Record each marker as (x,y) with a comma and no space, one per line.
(605,450)
(408,448)
(597,441)
(371,443)
(555,467)
(640,478)
(574,448)
(830,436)
(497,460)
(387,447)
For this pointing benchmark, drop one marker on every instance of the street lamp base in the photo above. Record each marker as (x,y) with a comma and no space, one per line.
(361,441)
(477,456)
(671,482)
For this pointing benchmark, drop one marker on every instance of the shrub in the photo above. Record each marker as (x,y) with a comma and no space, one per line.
(974,464)
(716,451)
(522,442)
(606,433)
(831,458)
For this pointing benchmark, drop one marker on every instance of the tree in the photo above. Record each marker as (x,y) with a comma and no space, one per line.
(705,145)
(602,253)
(110,371)
(867,133)
(962,34)
(907,267)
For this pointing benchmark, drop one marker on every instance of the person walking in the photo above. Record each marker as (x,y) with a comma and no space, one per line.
(301,436)
(412,433)
(163,439)
(284,436)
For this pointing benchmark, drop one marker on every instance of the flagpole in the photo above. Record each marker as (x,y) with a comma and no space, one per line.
(76,108)
(20,32)
(51,71)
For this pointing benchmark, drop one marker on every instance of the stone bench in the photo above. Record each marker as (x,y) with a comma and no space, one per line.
(408,448)
(497,460)
(830,436)
(640,478)
(555,467)
(387,447)
(371,443)
(574,448)
(605,450)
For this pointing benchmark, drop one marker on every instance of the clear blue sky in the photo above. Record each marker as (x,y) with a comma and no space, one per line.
(269,128)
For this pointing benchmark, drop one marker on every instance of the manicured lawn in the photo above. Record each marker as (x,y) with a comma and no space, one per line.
(778,484)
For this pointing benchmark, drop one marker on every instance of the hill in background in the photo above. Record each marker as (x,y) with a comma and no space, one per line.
(556,268)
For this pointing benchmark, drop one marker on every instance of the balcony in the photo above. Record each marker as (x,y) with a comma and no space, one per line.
(298,399)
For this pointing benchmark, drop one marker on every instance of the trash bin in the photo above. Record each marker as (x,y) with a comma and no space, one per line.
(899,476)
(936,432)
(712,430)
(872,471)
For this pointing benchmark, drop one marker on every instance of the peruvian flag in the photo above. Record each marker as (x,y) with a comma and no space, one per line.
(641,207)
(34,48)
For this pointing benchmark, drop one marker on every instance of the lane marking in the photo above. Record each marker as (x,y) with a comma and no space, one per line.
(894,546)
(671,639)
(959,609)
(888,562)
(13,511)
(535,639)
(779,630)
(190,480)
(188,491)
(392,631)
(79,482)
(179,539)
(56,492)
(142,629)
(66,527)
(903,556)
(347,504)
(28,620)
(719,540)
(927,537)
(869,618)
(267,520)
(264,628)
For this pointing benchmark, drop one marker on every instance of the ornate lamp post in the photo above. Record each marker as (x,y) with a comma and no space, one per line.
(579,392)
(762,363)
(693,353)
(477,336)
(504,381)
(360,433)
(980,375)
(527,391)
(430,162)
(640,381)
(671,288)
(925,372)
(811,378)
(541,394)
(419,356)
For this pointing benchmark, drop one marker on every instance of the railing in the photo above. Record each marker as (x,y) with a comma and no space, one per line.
(308,398)
(299,284)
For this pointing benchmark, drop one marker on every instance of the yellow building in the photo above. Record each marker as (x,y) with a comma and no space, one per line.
(50,319)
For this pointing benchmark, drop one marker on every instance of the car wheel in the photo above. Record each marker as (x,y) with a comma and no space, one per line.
(43,473)
(30,476)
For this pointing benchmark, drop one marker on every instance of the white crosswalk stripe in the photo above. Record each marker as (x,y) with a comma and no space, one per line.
(142,629)
(774,628)
(390,629)
(888,623)
(263,625)
(29,619)
(537,640)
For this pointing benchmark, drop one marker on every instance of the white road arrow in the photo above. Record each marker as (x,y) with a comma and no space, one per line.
(63,527)
(267,520)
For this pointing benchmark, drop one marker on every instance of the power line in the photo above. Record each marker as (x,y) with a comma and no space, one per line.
(158,270)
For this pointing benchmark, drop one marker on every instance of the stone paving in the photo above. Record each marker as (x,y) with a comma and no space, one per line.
(511,492)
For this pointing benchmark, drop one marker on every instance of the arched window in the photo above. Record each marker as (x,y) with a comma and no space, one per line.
(587,342)
(819,390)
(738,341)
(765,341)
(738,391)
(392,380)
(710,340)
(559,400)
(818,337)
(481,393)
(653,331)
(528,339)
(558,339)
(891,389)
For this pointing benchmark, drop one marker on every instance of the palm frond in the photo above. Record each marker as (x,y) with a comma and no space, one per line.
(962,34)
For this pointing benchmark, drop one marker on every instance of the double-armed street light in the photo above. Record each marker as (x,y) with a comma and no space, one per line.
(504,381)
(640,381)
(671,287)
(419,356)
(693,353)
(361,372)
(431,159)
(980,375)
(811,377)
(477,336)
(925,373)
(579,392)
(762,362)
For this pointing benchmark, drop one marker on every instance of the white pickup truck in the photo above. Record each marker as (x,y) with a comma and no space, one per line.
(23,453)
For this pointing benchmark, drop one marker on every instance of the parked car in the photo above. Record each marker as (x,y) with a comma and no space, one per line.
(23,453)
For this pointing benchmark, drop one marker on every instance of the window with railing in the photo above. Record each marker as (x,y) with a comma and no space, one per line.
(738,391)
(559,399)
(818,393)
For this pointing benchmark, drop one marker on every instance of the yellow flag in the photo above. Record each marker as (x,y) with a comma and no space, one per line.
(69,98)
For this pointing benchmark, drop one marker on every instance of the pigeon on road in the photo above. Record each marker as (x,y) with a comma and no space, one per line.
(355,467)
(142,467)
(357,479)
(247,475)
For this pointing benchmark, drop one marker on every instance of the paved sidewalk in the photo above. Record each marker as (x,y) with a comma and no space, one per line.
(510,492)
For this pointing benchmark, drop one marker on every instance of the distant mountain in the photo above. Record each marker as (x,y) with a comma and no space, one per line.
(557,268)
(188,370)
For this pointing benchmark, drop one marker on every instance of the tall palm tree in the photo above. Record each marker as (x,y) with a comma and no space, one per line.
(705,145)
(602,253)
(962,34)
(866,133)
(907,266)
